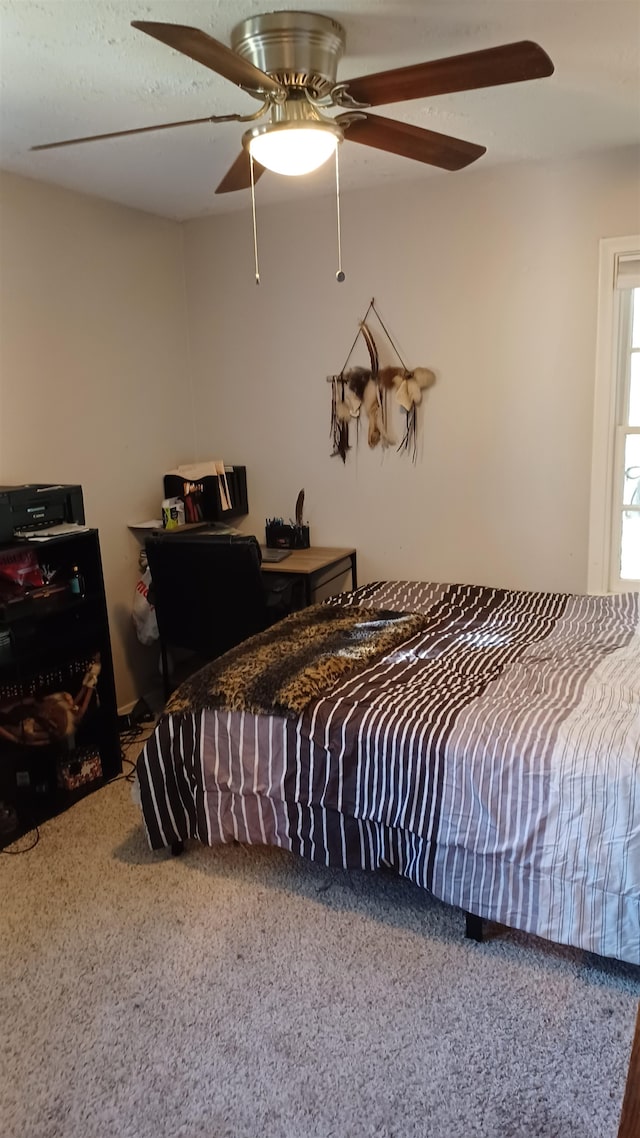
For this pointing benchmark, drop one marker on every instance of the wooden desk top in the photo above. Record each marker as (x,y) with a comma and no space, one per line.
(307,561)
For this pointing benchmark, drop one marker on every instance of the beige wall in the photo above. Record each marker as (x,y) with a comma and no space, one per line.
(94,377)
(487,276)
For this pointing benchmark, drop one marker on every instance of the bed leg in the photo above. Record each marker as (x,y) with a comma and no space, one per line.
(474,928)
(177,848)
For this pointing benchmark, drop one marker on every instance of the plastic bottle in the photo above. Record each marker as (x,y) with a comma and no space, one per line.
(76,582)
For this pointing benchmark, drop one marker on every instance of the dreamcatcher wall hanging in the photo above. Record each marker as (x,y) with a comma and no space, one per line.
(374,391)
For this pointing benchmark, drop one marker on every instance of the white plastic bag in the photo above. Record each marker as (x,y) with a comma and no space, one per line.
(144,613)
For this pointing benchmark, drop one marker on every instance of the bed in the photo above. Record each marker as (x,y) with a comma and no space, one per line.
(482,742)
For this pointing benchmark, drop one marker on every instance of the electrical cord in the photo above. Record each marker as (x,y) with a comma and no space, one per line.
(129,776)
(131,735)
(15,853)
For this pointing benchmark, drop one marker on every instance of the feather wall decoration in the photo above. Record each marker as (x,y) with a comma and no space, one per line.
(357,379)
(340,416)
(370,388)
(371,348)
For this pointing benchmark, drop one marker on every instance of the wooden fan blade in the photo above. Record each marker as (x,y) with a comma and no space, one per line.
(118,133)
(412,142)
(213,54)
(510,63)
(238,176)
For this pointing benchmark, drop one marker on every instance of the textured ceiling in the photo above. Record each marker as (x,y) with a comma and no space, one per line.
(70,68)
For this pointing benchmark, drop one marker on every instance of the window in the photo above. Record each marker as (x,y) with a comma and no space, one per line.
(614,544)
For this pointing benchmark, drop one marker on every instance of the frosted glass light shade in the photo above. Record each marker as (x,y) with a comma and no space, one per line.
(291,149)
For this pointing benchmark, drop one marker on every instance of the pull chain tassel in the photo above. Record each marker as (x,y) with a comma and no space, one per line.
(253,212)
(339,274)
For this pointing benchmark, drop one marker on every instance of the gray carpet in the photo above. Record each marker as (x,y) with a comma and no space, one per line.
(244,993)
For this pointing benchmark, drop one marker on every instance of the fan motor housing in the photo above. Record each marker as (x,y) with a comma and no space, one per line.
(299,49)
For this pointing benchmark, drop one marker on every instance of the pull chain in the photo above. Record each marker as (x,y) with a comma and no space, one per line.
(253,211)
(339,274)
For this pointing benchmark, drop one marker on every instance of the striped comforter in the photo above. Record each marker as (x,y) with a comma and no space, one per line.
(493,758)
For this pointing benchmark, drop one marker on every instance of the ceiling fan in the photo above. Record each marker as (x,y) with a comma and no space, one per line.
(288,61)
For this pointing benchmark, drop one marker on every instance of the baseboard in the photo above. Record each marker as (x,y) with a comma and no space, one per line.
(143,710)
(126,709)
(153,700)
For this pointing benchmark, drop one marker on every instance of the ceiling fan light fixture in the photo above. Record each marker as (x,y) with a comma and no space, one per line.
(293,148)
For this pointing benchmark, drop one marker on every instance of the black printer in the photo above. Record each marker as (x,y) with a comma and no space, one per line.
(35,505)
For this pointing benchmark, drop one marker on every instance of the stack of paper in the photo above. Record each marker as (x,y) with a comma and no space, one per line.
(46,532)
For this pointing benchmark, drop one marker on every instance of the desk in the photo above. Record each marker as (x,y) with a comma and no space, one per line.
(316,566)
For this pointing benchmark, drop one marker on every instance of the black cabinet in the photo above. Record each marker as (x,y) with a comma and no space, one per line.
(58,716)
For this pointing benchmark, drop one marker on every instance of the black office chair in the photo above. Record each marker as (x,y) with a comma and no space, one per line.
(209,594)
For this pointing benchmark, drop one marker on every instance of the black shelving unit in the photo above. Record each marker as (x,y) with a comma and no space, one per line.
(58,715)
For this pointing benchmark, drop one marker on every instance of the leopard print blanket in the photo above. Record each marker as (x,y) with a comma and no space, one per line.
(281,670)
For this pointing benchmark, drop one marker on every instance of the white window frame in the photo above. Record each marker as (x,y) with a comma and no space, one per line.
(604,519)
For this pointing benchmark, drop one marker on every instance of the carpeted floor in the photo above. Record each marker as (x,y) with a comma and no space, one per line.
(244,993)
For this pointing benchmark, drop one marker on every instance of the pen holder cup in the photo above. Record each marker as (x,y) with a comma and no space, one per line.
(286,537)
